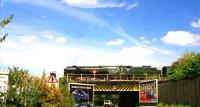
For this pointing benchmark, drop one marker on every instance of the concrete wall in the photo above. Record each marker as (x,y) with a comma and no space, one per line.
(181,92)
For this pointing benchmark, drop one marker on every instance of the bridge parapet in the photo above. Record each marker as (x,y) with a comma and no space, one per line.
(113,77)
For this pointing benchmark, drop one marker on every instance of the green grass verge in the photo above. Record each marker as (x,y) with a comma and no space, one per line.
(173,105)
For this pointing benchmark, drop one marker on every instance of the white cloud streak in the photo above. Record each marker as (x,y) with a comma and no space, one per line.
(142,38)
(93,4)
(136,52)
(146,42)
(50,37)
(72,12)
(60,40)
(117,42)
(154,40)
(120,31)
(131,6)
(196,24)
(27,40)
(181,38)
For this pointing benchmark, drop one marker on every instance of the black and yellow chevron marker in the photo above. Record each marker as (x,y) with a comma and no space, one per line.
(116,86)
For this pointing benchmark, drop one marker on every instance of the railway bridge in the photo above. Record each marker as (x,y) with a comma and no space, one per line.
(113,82)
(126,86)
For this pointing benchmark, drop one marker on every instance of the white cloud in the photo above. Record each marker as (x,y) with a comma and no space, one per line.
(93,4)
(38,55)
(120,31)
(61,40)
(136,56)
(196,24)
(181,38)
(66,10)
(133,5)
(154,39)
(50,37)
(52,57)
(142,38)
(136,52)
(28,39)
(47,35)
(117,42)
(83,3)
(146,42)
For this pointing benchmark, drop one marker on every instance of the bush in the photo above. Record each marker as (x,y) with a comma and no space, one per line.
(186,67)
(28,91)
(173,105)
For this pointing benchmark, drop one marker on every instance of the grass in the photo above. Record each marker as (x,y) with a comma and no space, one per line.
(173,105)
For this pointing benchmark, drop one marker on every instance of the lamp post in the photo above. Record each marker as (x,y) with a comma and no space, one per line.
(94,72)
(88,94)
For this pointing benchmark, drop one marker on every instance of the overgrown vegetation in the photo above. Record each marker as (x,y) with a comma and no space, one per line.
(186,67)
(28,91)
(68,99)
(173,105)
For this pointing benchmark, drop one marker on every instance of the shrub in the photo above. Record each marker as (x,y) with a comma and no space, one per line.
(186,67)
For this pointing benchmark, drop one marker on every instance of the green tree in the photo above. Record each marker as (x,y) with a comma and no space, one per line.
(186,67)
(68,100)
(49,96)
(42,94)
(18,84)
(25,90)
(3,23)
(2,38)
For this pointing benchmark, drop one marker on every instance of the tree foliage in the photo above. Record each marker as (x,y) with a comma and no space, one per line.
(186,67)
(18,84)
(26,90)
(3,23)
(68,98)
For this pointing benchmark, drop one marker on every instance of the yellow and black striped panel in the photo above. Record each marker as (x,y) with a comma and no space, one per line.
(116,86)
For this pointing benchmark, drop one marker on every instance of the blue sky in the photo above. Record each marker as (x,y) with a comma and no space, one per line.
(53,34)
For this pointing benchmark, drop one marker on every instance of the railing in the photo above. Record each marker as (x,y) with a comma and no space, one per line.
(113,77)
